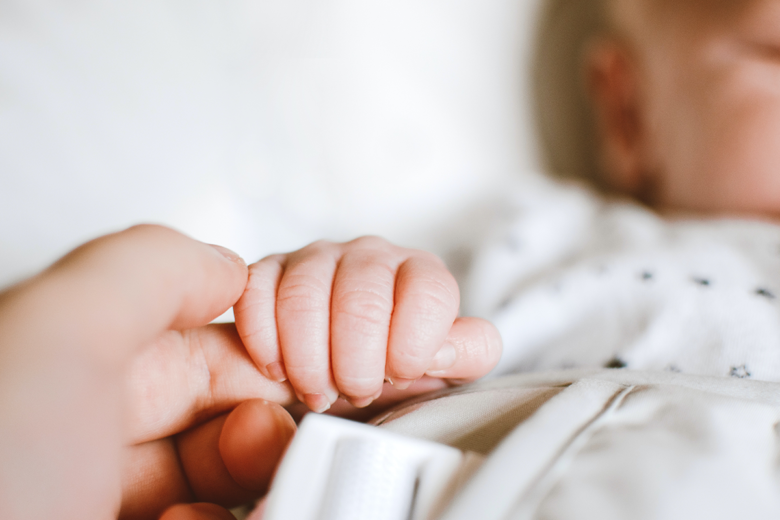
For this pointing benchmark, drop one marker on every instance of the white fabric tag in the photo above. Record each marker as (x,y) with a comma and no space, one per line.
(341,470)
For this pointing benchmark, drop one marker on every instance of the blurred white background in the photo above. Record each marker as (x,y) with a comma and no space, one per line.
(259,125)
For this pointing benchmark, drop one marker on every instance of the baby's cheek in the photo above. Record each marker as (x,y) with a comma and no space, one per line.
(727,159)
(745,161)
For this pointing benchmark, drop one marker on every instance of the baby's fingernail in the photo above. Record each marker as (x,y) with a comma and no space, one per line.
(230,255)
(361,402)
(318,403)
(401,384)
(276,372)
(445,358)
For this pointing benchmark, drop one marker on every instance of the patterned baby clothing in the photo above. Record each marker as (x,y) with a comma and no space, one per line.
(576,280)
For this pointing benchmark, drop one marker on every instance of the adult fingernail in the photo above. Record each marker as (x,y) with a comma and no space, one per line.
(445,358)
(230,255)
(318,403)
(401,384)
(276,372)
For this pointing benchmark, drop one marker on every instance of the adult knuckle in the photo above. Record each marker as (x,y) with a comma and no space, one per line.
(200,379)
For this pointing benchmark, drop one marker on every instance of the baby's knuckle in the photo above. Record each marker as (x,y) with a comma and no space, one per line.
(429,258)
(323,245)
(256,279)
(258,337)
(434,298)
(276,259)
(308,375)
(365,306)
(259,274)
(434,264)
(318,248)
(369,242)
(408,363)
(302,293)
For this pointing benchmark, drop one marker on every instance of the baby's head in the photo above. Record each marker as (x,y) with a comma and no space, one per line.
(686,95)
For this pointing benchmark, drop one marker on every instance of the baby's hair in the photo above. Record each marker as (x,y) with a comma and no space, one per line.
(564,119)
(565,122)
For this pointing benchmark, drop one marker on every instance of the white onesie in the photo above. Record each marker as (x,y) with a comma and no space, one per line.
(574,280)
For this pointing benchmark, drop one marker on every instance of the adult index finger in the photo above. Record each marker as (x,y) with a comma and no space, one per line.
(66,336)
(120,291)
(184,378)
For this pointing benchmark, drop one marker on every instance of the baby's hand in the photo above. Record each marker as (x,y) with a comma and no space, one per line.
(339,319)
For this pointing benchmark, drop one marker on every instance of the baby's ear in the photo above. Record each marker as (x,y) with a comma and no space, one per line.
(613,85)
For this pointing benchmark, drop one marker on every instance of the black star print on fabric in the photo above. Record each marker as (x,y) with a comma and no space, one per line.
(647,276)
(615,362)
(505,303)
(740,372)
(704,282)
(766,293)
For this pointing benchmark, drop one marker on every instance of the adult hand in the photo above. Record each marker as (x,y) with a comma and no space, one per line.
(115,394)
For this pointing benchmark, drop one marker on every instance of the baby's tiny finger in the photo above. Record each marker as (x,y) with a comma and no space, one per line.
(472,349)
(427,301)
(303,317)
(360,322)
(255,314)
